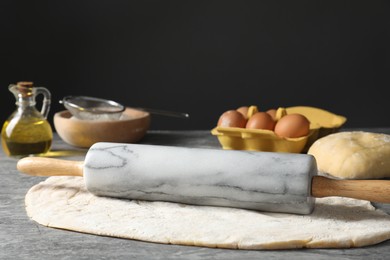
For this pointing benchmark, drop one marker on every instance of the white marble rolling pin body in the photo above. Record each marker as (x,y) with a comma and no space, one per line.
(265,181)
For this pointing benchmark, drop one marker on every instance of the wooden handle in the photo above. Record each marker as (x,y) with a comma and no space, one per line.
(372,190)
(39,166)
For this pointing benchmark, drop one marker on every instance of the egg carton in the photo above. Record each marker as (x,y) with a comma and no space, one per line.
(322,123)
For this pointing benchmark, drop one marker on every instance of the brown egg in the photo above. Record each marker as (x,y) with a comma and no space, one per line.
(244,111)
(261,120)
(292,126)
(232,118)
(272,112)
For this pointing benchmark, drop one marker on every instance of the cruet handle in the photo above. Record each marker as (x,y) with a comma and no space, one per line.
(46,100)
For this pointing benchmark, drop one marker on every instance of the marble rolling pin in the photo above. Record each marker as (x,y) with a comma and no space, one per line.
(265,181)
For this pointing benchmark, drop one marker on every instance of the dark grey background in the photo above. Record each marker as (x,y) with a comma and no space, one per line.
(202,57)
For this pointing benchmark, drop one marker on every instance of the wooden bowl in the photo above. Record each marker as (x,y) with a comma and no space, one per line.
(83,133)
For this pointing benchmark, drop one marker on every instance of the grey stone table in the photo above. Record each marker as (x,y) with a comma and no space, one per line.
(22,238)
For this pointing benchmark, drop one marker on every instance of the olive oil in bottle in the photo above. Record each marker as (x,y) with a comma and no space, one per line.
(27,132)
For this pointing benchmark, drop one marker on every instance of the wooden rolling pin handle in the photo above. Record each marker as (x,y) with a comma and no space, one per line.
(39,166)
(371,190)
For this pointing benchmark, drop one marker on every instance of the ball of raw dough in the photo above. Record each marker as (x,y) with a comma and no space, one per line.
(353,155)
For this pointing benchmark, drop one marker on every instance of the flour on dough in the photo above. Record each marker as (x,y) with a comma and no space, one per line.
(63,202)
(353,155)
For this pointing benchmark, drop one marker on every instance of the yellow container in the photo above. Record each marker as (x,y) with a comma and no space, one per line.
(322,123)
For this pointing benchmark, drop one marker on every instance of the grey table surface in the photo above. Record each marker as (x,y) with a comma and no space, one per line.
(23,238)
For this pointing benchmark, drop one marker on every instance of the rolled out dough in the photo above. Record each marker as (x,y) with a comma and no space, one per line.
(63,202)
(353,155)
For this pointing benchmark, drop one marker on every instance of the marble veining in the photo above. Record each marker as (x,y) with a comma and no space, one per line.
(267,181)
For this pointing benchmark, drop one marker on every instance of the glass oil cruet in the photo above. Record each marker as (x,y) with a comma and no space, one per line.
(27,132)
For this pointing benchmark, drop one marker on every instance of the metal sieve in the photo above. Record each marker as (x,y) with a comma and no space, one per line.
(92,108)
